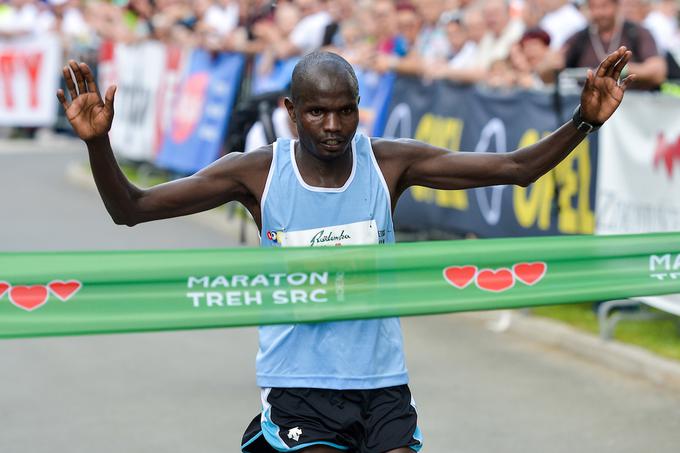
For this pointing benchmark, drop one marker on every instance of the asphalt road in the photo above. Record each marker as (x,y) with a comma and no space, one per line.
(190,392)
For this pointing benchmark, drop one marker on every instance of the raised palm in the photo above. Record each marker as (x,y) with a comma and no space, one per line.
(603,91)
(89,115)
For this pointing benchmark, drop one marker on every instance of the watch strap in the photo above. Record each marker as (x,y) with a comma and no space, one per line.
(581,124)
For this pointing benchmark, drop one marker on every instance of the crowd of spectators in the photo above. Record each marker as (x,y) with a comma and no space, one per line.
(502,43)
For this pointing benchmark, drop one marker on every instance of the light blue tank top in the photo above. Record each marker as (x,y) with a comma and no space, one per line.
(362,354)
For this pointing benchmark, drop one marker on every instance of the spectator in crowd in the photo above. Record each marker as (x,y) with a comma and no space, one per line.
(432,43)
(464,31)
(340,11)
(502,32)
(561,19)
(427,43)
(528,58)
(24,17)
(308,34)
(662,22)
(635,10)
(607,29)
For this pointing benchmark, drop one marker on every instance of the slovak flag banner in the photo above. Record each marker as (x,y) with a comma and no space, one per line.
(201,113)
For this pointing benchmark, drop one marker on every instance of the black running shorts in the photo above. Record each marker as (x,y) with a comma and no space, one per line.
(357,421)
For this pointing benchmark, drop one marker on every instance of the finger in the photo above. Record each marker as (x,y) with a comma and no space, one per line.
(89,78)
(625,83)
(607,63)
(589,80)
(109,97)
(80,81)
(618,67)
(62,99)
(70,83)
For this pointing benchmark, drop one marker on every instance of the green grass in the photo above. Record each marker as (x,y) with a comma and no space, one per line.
(660,336)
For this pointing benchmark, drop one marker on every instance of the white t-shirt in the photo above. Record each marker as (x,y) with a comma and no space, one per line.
(222,19)
(308,33)
(466,57)
(256,136)
(562,23)
(493,48)
(664,29)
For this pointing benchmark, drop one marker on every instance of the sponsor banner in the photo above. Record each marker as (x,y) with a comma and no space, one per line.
(101,292)
(29,78)
(202,111)
(638,184)
(137,70)
(474,119)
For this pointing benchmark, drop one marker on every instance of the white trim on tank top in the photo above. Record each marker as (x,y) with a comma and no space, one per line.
(270,176)
(380,174)
(323,189)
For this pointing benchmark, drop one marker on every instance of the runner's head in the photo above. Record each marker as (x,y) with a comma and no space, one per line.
(324,104)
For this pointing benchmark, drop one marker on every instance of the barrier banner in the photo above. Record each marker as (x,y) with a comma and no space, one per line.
(29,78)
(475,119)
(100,292)
(202,112)
(638,185)
(137,70)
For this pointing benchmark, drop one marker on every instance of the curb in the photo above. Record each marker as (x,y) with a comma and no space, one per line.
(624,358)
(217,219)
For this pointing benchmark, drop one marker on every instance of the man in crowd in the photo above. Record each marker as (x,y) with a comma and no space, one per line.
(346,388)
(608,30)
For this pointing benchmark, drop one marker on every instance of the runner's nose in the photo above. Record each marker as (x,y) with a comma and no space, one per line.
(331,122)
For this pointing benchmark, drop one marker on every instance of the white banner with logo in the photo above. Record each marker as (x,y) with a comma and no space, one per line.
(638,183)
(29,78)
(137,70)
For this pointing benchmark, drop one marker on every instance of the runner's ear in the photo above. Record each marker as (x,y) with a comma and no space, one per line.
(291,109)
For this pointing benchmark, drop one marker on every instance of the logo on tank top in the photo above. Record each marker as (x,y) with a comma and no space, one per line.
(274,236)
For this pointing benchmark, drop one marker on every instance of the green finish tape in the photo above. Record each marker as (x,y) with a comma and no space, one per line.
(72,293)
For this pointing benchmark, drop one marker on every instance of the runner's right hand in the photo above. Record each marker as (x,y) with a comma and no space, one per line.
(89,115)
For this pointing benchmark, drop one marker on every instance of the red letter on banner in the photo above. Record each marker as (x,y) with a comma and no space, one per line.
(33,64)
(7,74)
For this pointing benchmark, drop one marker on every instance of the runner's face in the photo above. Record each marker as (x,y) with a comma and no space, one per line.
(326,116)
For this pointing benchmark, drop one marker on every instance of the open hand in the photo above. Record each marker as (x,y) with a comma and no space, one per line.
(603,91)
(89,115)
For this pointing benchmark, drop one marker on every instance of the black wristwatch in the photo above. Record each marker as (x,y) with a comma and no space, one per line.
(581,125)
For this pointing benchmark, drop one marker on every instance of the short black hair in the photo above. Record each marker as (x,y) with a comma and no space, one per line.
(305,69)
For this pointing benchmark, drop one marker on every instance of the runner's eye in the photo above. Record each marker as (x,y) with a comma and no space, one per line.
(316,112)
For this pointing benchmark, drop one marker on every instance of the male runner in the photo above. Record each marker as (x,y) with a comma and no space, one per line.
(340,385)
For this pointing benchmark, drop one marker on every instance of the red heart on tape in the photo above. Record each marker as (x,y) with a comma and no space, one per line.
(495,280)
(28,297)
(460,276)
(530,273)
(4,286)
(64,290)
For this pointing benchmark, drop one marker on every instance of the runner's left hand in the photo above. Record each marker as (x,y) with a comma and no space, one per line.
(603,91)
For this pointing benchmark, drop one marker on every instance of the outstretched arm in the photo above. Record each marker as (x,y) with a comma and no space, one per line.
(414,163)
(91,117)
